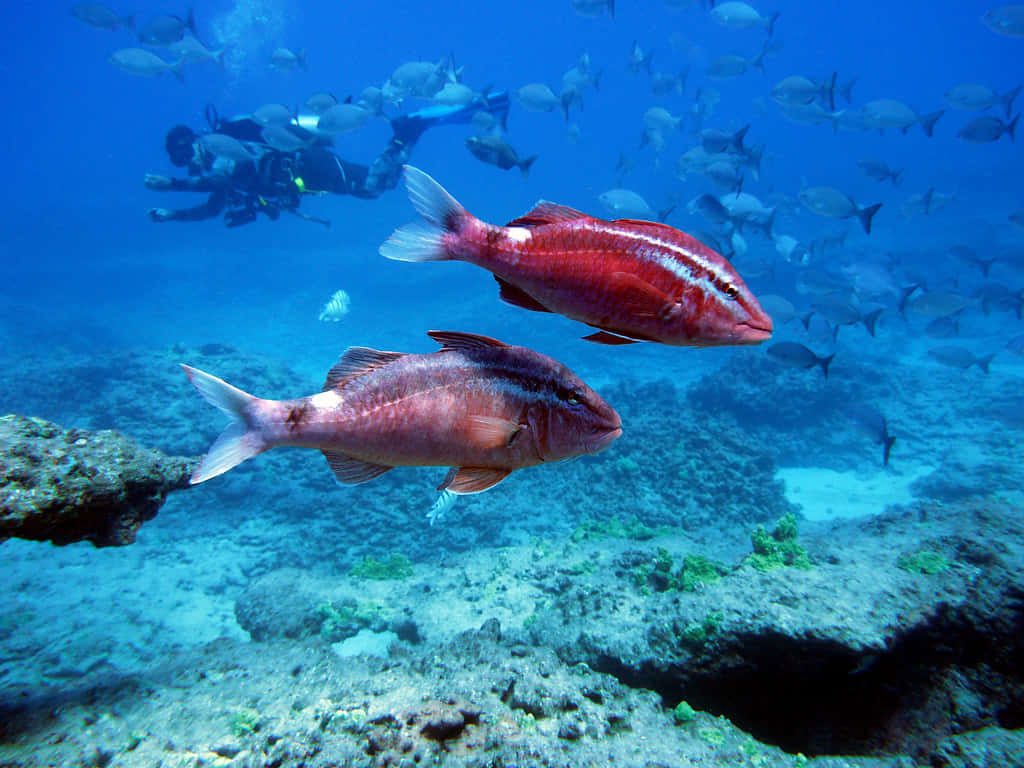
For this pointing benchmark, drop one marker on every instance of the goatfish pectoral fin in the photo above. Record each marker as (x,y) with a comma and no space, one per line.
(463,480)
(638,297)
(492,431)
(239,440)
(353,471)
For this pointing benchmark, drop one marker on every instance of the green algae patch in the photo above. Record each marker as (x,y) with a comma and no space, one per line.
(396,567)
(695,635)
(698,572)
(632,528)
(695,573)
(245,722)
(683,713)
(712,735)
(779,548)
(346,618)
(924,561)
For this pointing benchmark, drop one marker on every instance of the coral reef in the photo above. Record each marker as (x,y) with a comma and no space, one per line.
(856,655)
(678,465)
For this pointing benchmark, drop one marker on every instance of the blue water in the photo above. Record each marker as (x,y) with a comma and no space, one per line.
(82,134)
(85,272)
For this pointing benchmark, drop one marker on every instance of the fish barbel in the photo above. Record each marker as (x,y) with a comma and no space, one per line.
(634,280)
(478,405)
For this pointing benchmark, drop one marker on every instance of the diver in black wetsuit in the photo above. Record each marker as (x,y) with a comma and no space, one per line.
(274,180)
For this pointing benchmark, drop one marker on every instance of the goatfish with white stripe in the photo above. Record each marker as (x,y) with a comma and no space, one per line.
(477,405)
(633,280)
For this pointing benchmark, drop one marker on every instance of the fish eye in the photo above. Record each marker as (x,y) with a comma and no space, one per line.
(570,396)
(732,291)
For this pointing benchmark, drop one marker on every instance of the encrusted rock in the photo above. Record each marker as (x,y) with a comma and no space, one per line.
(72,485)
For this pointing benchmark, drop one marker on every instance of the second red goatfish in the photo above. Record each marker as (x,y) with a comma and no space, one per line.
(633,280)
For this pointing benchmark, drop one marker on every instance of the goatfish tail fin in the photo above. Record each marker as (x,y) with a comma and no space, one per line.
(240,440)
(443,218)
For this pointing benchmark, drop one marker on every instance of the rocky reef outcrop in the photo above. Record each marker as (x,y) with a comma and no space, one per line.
(66,485)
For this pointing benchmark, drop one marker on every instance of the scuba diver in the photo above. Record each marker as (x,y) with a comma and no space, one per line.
(274,180)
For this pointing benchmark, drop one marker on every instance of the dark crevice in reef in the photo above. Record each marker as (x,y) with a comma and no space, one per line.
(947,676)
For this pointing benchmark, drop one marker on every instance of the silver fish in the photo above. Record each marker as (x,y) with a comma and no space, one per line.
(627,204)
(342,118)
(889,113)
(454,94)
(739,15)
(166,29)
(974,96)
(958,357)
(138,61)
(227,147)
(1006,20)
(638,59)
(594,8)
(319,103)
(880,170)
(273,114)
(494,150)
(873,424)
(927,202)
(101,17)
(663,83)
(794,355)
(987,128)
(798,90)
(938,303)
(728,66)
(715,140)
(811,114)
(829,201)
(284,138)
(190,49)
(284,60)
(538,97)
(780,308)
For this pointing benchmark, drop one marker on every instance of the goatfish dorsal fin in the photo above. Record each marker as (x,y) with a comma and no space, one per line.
(547,213)
(458,340)
(464,480)
(357,361)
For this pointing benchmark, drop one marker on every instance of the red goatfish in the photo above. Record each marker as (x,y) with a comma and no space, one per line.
(482,407)
(634,280)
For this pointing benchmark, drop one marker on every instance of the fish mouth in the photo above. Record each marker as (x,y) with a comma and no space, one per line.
(603,436)
(754,332)
(754,335)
